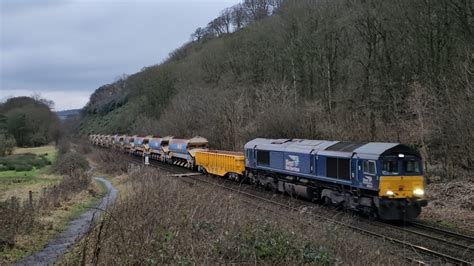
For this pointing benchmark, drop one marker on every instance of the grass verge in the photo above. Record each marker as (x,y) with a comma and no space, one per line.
(53,222)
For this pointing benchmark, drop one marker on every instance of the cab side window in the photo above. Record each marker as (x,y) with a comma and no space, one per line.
(369,167)
(249,154)
(263,157)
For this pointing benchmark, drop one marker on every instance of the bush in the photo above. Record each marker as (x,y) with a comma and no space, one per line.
(269,243)
(23,162)
(113,163)
(7,144)
(23,167)
(70,163)
(15,217)
(63,146)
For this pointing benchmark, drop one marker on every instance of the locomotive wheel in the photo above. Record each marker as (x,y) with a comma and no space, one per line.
(327,201)
(373,215)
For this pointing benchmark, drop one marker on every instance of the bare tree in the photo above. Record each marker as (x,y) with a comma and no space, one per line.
(239,16)
(217,26)
(419,103)
(258,9)
(198,34)
(226,19)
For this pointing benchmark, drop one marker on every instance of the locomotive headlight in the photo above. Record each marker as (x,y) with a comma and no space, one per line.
(419,192)
(389,193)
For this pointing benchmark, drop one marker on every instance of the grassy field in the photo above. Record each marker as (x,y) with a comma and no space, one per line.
(19,183)
(48,149)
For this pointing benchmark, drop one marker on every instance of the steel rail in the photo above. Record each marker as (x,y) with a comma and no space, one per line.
(443,231)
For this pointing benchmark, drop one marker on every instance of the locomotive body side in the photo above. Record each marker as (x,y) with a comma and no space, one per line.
(342,173)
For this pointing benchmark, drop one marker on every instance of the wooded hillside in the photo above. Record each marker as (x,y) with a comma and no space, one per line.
(360,70)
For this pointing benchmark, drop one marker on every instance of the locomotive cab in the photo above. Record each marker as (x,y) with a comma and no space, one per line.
(401,177)
(401,184)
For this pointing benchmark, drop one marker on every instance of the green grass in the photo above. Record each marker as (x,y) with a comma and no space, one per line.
(26,161)
(12,175)
(83,206)
(48,149)
(102,187)
(36,160)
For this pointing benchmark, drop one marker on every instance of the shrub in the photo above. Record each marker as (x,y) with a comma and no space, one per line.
(7,144)
(23,167)
(15,217)
(113,163)
(63,146)
(70,163)
(23,162)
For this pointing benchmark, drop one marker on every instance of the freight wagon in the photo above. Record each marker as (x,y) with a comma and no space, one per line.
(182,151)
(221,163)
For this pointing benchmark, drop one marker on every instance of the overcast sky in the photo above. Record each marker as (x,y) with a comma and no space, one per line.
(65,49)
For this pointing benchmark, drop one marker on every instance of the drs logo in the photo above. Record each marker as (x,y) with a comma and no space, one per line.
(367,181)
(292,163)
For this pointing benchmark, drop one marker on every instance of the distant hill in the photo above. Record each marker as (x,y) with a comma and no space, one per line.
(68,113)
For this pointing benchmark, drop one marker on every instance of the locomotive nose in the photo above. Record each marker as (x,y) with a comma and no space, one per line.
(397,187)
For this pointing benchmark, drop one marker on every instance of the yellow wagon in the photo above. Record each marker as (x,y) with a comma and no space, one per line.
(222,163)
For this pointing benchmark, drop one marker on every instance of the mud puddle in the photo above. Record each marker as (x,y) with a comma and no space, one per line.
(57,245)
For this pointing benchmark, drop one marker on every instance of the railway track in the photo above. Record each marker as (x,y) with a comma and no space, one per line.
(418,253)
(442,231)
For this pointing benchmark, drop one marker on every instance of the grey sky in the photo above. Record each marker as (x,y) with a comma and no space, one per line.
(66,49)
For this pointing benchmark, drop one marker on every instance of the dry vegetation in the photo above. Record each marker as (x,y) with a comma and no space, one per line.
(27,224)
(108,162)
(29,219)
(451,204)
(161,220)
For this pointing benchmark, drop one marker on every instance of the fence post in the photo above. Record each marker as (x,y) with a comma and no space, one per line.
(30,198)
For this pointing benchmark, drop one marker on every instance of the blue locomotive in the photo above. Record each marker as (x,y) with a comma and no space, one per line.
(381,179)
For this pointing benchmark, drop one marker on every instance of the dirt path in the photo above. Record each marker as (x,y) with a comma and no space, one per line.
(74,229)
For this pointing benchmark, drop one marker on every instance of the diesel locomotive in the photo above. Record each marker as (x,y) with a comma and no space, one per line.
(382,180)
